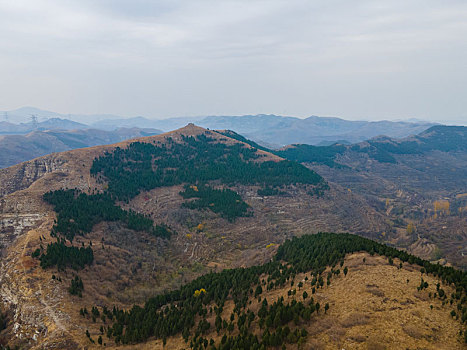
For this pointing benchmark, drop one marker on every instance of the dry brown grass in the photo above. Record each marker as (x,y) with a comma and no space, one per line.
(358,319)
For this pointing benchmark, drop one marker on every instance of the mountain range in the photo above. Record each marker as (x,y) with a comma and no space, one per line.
(270,130)
(171,240)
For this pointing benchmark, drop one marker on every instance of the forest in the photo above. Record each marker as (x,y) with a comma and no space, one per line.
(313,154)
(177,311)
(227,203)
(62,256)
(145,166)
(269,191)
(78,212)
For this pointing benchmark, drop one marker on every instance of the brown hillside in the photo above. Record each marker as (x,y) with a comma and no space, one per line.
(376,306)
(132,266)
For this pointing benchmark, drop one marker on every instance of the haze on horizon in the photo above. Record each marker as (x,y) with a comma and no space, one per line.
(362,60)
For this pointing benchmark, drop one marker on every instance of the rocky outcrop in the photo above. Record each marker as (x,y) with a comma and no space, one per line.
(21,176)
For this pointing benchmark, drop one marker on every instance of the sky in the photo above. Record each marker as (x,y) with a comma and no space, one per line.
(361,59)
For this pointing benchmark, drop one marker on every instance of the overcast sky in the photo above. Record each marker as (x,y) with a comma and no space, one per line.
(354,59)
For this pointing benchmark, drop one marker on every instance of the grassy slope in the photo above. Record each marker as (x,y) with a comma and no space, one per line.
(373,307)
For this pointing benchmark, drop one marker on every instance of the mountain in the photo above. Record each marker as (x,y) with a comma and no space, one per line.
(190,234)
(419,182)
(19,148)
(23,115)
(270,130)
(58,123)
(7,128)
(141,122)
(276,131)
(282,131)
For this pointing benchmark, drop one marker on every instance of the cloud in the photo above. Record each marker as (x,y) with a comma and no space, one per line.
(359,59)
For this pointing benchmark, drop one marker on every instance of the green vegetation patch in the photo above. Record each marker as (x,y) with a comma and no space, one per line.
(76,286)
(78,212)
(269,191)
(200,159)
(63,256)
(227,203)
(325,155)
(174,312)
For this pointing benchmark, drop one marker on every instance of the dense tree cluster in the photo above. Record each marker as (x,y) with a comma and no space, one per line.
(313,154)
(269,191)
(227,203)
(145,166)
(176,312)
(61,255)
(76,286)
(78,212)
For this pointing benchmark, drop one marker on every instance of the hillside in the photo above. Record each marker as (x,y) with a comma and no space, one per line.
(383,306)
(418,181)
(144,217)
(20,148)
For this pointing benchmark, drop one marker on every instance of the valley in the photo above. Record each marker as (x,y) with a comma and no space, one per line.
(417,182)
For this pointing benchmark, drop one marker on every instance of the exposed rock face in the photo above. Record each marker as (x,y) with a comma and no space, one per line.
(12,225)
(21,176)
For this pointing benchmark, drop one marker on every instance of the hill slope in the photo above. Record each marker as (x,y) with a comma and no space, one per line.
(156,213)
(418,181)
(19,148)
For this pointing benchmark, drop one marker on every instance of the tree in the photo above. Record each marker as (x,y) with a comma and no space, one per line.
(326,308)
(305,294)
(345,271)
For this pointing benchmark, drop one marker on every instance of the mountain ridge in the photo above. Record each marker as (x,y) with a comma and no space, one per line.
(269,129)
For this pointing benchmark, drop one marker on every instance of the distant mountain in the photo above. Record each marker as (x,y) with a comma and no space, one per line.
(48,124)
(276,131)
(383,149)
(24,114)
(141,122)
(19,148)
(280,131)
(270,130)
(58,123)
